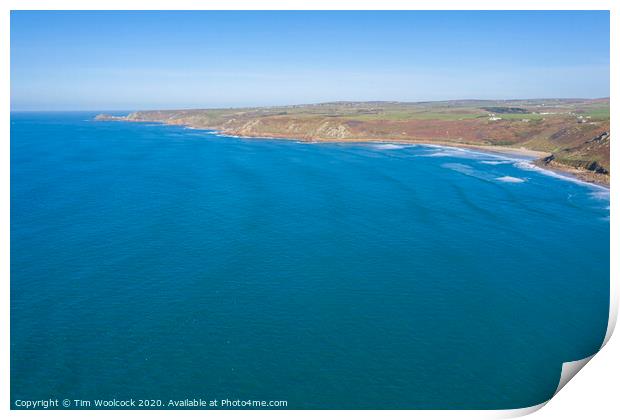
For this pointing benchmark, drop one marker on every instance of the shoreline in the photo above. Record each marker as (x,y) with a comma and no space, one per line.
(581,175)
(534,157)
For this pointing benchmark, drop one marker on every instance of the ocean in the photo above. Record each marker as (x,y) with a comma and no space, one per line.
(162,263)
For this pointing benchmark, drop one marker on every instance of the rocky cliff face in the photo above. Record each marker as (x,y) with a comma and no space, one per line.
(106,117)
(591,156)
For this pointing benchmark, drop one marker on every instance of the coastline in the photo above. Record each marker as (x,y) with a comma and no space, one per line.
(582,175)
(537,158)
(534,157)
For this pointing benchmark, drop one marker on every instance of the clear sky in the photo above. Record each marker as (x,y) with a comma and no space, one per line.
(147,60)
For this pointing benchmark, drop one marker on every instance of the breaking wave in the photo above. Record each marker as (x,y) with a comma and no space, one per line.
(510,179)
(389,146)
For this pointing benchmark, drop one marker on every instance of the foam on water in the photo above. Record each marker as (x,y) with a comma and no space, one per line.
(469,171)
(452,152)
(459,167)
(601,194)
(389,146)
(496,162)
(528,166)
(458,152)
(510,179)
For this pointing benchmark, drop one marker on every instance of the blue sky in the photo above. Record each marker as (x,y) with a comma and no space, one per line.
(147,60)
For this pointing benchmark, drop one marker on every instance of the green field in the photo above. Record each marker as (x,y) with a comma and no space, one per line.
(601,113)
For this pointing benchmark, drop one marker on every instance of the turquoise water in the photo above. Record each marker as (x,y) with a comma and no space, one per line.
(160,262)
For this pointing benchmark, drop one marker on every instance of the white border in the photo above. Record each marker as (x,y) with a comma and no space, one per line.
(7,5)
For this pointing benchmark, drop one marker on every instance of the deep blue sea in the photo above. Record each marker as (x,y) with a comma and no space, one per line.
(160,262)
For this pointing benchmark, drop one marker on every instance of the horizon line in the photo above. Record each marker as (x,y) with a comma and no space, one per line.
(386,101)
